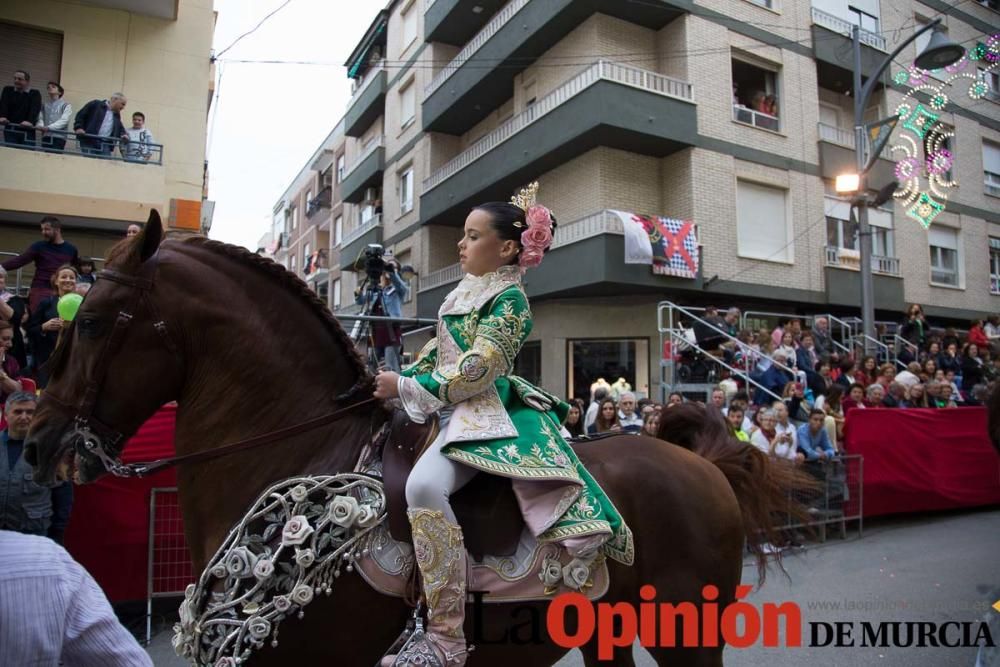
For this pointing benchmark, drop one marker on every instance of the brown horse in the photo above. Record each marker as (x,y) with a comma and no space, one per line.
(246,348)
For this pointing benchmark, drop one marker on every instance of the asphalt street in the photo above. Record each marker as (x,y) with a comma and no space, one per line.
(937,568)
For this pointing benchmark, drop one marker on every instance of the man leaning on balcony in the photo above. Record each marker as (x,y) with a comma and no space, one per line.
(19,109)
(99,125)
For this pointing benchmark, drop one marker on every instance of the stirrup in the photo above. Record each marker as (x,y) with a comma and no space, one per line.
(415,647)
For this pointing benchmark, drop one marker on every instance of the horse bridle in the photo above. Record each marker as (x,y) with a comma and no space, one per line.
(96,438)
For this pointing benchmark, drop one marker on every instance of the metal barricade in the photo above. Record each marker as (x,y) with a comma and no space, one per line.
(839,500)
(169,569)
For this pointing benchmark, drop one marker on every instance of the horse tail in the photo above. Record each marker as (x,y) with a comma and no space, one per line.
(765,488)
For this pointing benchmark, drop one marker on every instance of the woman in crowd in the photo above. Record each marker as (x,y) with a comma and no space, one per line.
(917,397)
(45,324)
(930,369)
(607,418)
(914,329)
(574,418)
(977,335)
(875,394)
(848,371)
(785,353)
(972,367)
(867,374)
(795,399)
(651,423)
(855,398)
(834,408)
(949,360)
(933,351)
(675,398)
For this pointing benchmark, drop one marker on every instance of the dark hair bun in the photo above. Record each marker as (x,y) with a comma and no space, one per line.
(504,216)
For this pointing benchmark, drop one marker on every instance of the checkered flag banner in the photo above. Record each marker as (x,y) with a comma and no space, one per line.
(669,245)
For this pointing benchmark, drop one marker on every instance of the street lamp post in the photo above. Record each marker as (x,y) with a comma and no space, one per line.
(940,52)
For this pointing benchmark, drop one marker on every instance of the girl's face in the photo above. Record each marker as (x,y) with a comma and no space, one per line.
(573,416)
(675,399)
(786,339)
(930,367)
(939,375)
(481,249)
(857,394)
(916,391)
(66,281)
(652,423)
(935,348)
(608,411)
(973,350)
(869,364)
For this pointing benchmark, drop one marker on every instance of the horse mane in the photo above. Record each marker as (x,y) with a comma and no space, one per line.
(290,282)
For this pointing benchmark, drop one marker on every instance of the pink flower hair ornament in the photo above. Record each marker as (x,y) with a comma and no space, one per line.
(536,238)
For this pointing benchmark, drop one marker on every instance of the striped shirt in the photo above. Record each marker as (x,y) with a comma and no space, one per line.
(52,611)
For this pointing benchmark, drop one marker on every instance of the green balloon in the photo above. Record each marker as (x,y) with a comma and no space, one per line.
(68,305)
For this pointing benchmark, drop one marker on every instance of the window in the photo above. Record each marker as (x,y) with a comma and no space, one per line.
(936,139)
(588,360)
(293,266)
(38,51)
(994,265)
(406,191)
(841,228)
(340,168)
(407,105)
(409,24)
(295,217)
(863,19)
(755,95)
(336,293)
(944,256)
(307,266)
(764,3)
(991,168)
(528,363)
(338,230)
(992,80)
(323,290)
(762,222)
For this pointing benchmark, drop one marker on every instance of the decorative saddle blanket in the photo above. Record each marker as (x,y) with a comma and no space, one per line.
(301,534)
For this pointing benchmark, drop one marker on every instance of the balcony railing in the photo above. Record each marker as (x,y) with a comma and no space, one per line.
(839,25)
(88,145)
(845,258)
(361,230)
(742,114)
(602,70)
(595,224)
(376,143)
(359,87)
(845,137)
(498,21)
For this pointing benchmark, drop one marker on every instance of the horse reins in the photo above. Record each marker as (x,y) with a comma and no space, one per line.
(96,436)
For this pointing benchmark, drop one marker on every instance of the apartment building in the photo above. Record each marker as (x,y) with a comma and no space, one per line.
(307,227)
(648,107)
(156,52)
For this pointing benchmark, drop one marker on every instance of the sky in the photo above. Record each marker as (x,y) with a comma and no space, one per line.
(268,119)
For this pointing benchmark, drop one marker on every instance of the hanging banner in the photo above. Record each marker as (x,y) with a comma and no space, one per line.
(669,245)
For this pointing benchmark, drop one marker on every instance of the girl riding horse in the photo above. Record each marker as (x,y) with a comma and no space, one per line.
(492,421)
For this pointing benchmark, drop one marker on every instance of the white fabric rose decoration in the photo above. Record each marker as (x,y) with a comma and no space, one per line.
(241,562)
(296,530)
(344,510)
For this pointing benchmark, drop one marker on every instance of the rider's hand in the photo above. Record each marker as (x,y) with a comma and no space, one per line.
(386,384)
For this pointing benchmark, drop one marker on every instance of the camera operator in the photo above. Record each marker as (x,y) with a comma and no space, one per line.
(387,300)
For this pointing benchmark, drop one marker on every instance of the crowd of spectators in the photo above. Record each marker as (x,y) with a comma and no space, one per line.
(29,121)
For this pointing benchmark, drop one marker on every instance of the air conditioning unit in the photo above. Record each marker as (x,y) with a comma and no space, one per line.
(371,194)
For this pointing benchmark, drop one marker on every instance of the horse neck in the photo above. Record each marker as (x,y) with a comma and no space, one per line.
(262,359)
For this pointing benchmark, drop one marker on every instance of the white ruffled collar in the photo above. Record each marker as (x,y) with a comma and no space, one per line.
(473,292)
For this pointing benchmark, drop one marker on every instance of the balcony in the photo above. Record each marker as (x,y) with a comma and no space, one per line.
(845,258)
(161,9)
(455,22)
(320,201)
(480,78)
(765,121)
(367,102)
(99,190)
(836,156)
(364,172)
(355,241)
(832,47)
(843,278)
(606,104)
(587,259)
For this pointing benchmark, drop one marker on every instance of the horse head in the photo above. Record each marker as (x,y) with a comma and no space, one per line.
(115,364)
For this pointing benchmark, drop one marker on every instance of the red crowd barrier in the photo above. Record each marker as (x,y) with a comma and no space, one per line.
(924,459)
(108,531)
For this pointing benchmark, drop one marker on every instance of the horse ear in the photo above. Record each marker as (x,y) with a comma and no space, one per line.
(152,235)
